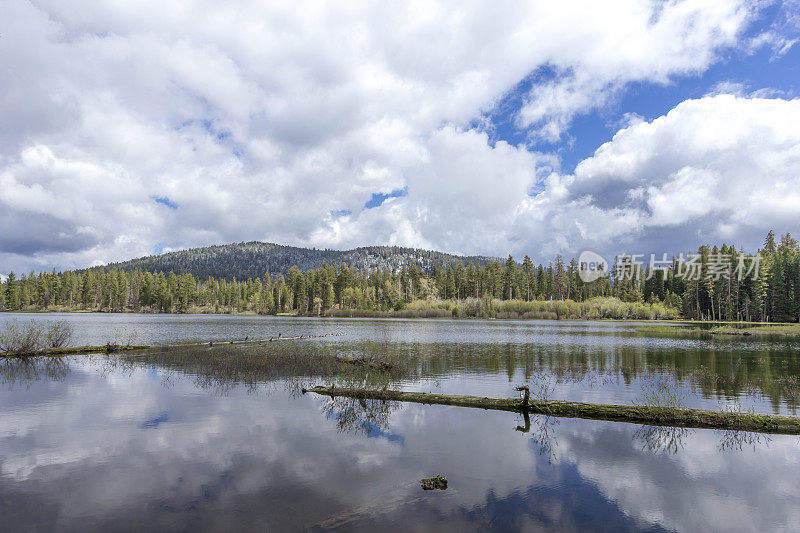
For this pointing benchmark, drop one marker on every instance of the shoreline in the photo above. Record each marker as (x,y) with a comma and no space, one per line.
(355,316)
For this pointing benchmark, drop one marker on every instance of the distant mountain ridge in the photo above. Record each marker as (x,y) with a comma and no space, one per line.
(252,259)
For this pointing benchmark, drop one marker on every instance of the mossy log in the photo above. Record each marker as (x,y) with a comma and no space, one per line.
(77,350)
(637,414)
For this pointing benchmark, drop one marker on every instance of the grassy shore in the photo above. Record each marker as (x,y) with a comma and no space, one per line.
(592,309)
(601,308)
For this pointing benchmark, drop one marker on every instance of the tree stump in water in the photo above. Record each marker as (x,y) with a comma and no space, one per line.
(526,400)
(433,483)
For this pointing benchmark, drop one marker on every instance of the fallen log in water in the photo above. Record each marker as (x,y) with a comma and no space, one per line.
(638,414)
(112,348)
(77,350)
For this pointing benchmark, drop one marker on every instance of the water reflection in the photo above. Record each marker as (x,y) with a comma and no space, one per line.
(359,415)
(672,440)
(24,371)
(732,440)
(768,383)
(222,368)
(542,432)
(666,439)
(182,460)
(597,361)
(211,439)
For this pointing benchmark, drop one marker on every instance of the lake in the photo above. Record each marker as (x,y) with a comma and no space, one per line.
(222,438)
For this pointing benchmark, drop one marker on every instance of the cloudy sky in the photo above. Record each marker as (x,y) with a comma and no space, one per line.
(130,128)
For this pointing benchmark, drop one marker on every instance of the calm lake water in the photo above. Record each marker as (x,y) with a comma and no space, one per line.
(222,439)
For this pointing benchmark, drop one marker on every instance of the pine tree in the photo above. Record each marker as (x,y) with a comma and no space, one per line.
(509,278)
(11,292)
(528,278)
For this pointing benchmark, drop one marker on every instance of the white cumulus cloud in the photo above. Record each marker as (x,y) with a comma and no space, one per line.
(717,169)
(130,127)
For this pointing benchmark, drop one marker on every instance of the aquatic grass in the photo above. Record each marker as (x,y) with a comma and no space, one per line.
(768,378)
(662,397)
(668,330)
(791,330)
(222,366)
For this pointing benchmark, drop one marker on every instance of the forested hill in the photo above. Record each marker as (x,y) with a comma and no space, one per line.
(253,259)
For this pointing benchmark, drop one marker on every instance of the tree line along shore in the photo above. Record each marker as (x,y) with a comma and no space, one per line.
(497,290)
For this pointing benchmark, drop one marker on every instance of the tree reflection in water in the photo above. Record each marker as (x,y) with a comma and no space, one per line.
(358,415)
(671,440)
(542,429)
(24,371)
(739,440)
(666,439)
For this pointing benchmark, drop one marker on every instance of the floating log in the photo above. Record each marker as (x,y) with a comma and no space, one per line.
(77,350)
(637,414)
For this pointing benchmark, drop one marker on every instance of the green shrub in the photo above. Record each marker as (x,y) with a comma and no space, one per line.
(22,340)
(59,334)
(593,309)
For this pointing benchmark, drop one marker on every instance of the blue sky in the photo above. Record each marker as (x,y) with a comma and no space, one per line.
(637,126)
(753,70)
